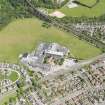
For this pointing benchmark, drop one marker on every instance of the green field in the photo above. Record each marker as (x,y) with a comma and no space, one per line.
(13,76)
(79,11)
(1,77)
(6,98)
(24,35)
(88,2)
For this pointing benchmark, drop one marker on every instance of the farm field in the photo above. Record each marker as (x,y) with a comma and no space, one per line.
(24,35)
(97,10)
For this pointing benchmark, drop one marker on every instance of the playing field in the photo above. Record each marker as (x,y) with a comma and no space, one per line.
(24,35)
(97,10)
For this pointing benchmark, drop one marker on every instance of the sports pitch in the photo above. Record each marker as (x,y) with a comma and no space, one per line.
(24,35)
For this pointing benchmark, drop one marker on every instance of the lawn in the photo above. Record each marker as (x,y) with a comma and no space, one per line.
(13,76)
(24,35)
(79,11)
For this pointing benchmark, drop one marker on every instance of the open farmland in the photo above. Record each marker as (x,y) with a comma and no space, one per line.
(23,35)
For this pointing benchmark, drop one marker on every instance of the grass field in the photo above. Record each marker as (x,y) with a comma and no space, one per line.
(6,98)
(79,11)
(13,76)
(1,77)
(88,2)
(24,35)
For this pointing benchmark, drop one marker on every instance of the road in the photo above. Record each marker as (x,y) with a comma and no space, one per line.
(34,94)
(77,66)
(53,75)
(68,97)
(10,93)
